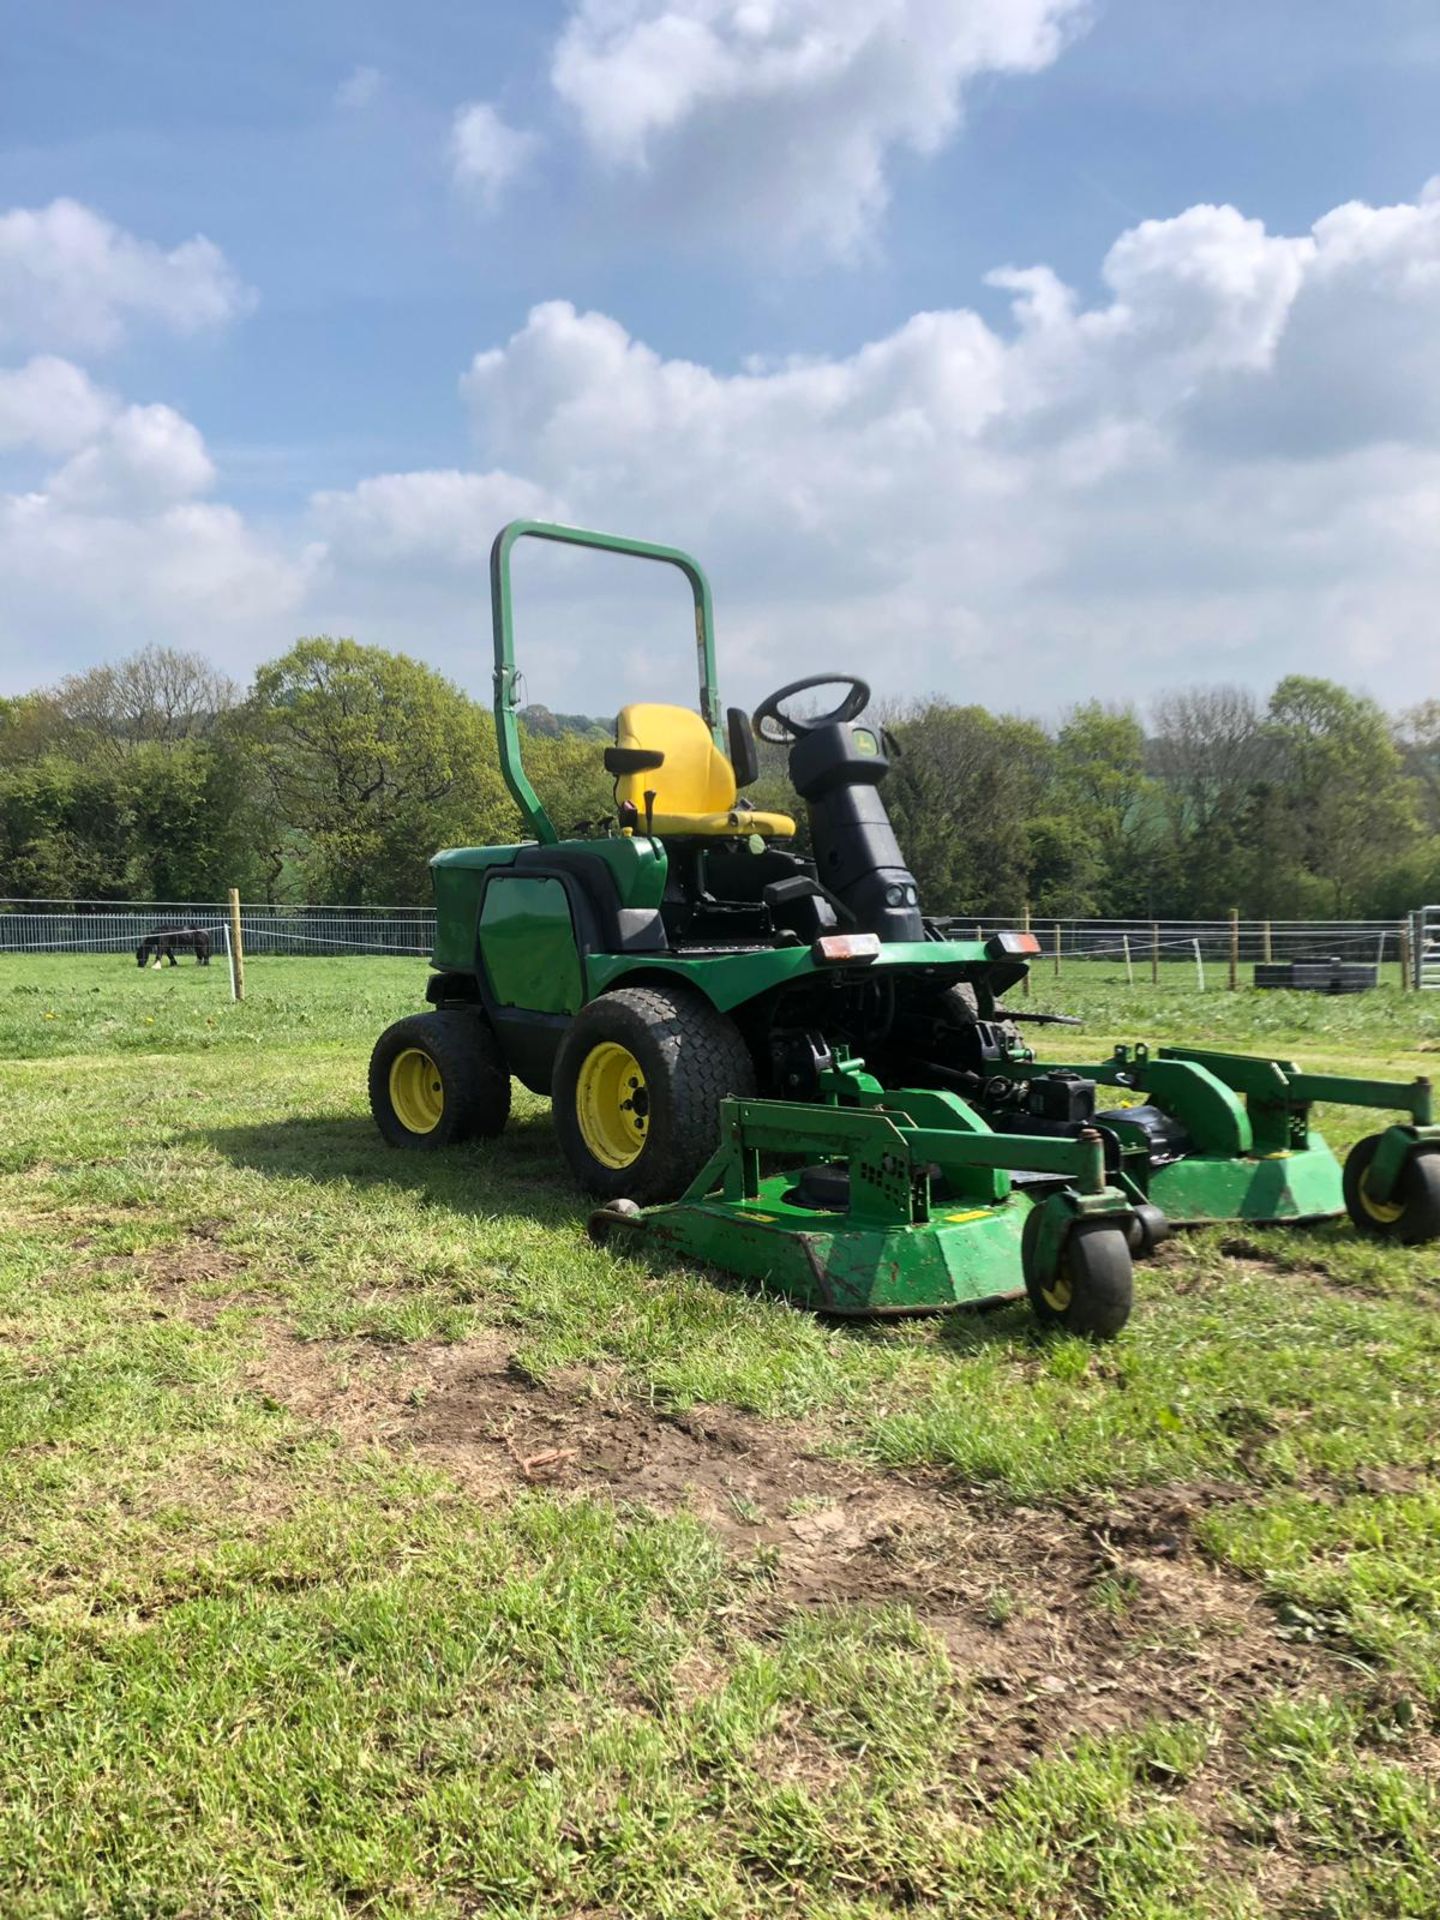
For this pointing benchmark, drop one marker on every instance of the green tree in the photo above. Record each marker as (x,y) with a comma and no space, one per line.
(374,761)
(567,771)
(65,831)
(195,827)
(1207,752)
(156,697)
(1417,735)
(1337,809)
(1105,798)
(962,790)
(31,725)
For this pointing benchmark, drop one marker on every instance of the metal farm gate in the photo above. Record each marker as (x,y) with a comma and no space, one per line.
(1425,947)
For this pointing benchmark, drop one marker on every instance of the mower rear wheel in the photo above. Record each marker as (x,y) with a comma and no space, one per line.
(1412,1213)
(1093,1288)
(637,1089)
(437,1079)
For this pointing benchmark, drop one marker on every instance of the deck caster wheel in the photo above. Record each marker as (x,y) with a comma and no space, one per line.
(1148,1229)
(1093,1287)
(1412,1213)
(604,1220)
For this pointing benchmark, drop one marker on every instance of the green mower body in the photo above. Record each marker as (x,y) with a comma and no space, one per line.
(776,1064)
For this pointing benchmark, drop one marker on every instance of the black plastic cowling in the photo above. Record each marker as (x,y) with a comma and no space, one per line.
(837,769)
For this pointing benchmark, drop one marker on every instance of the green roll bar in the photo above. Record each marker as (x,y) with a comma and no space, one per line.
(507,726)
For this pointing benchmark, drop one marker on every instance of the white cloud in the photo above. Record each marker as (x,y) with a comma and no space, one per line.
(71,278)
(359,89)
(423,520)
(486,153)
(1078,502)
(52,405)
(82,586)
(781,119)
(146,457)
(1225,466)
(115,549)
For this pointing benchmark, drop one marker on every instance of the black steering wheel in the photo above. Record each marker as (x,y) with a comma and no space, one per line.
(780,728)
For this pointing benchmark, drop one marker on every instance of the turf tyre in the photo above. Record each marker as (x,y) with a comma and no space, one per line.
(474,1096)
(691,1056)
(1416,1196)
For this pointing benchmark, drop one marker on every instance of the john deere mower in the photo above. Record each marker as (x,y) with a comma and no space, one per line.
(776,1065)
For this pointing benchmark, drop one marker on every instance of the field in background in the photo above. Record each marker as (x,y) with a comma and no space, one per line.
(376,1545)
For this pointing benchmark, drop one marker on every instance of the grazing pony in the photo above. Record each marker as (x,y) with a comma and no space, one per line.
(163,944)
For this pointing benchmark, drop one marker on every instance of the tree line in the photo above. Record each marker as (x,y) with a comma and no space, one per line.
(336,773)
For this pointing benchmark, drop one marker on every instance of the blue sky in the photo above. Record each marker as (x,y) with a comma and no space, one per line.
(1214,457)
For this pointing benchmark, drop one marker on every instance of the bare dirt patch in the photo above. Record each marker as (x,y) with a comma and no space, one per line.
(1090,1617)
(193,1279)
(1061,1621)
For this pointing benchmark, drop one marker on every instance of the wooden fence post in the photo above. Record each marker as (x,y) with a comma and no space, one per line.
(1234,949)
(237,949)
(1405,962)
(1266,934)
(1057,949)
(1154,953)
(1025,983)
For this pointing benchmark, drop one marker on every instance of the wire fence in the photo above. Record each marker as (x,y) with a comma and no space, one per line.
(1376,941)
(1143,949)
(117,926)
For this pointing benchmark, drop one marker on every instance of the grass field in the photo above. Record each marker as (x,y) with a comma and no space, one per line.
(376,1546)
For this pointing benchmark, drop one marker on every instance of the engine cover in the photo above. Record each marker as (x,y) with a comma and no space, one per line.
(1060,1095)
(1165,1139)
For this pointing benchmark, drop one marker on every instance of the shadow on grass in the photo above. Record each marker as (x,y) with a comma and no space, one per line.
(522,1176)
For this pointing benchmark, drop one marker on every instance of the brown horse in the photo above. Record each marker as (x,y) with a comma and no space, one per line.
(164,942)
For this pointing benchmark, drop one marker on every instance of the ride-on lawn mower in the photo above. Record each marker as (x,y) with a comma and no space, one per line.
(779,1067)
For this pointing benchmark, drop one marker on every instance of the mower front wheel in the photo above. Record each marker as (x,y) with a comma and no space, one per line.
(437,1079)
(1412,1213)
(1092,1288)
(637,1089)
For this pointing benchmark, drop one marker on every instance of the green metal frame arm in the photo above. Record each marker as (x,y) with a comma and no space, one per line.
(1417,1097)
(1082,1160)
(889,1144)
(507,726)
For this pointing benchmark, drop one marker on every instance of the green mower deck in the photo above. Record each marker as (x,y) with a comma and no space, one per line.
(833,1264)
(923,1213)
(1294,1185)
(1251,1153)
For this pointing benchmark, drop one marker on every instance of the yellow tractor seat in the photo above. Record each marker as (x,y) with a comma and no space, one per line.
(694,789)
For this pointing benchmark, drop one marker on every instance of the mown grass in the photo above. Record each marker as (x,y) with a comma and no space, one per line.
(249,1666)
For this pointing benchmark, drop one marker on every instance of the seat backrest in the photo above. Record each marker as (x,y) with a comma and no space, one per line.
(696,777)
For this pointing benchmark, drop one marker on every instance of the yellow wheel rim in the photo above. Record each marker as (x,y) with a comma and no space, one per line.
(1057,1295)
(1383,1212)
(612,1104)
(416,1091)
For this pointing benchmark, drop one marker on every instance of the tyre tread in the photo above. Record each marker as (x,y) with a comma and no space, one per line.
(705,1059)
(477,1085)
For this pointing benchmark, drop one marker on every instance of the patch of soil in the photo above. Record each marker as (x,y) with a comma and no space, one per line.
(1084,1618)
(175,1272)
(1261,1253)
